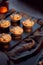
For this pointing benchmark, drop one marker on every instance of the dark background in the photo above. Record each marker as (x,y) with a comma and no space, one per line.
(32,9)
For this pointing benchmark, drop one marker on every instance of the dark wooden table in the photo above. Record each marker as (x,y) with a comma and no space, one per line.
(21,6)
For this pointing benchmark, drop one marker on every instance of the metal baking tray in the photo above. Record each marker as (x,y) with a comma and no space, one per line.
(25,16)
(14,43)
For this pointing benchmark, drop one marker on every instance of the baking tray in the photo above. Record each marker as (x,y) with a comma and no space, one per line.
(24,17)
(14,43)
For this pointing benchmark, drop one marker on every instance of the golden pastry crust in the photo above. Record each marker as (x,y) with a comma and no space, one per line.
(16,30)
(28,23)
(5,38)
(15,17)
(5,23)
